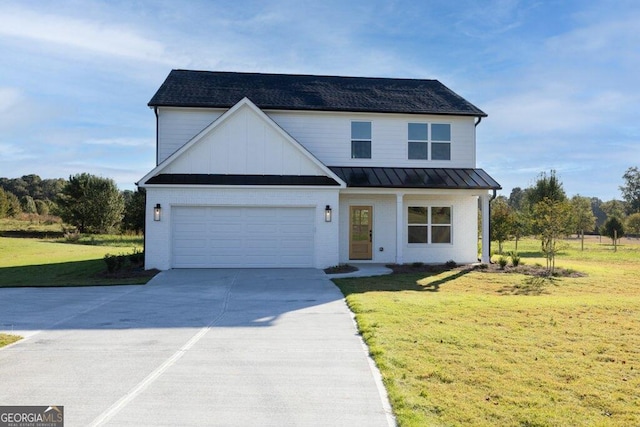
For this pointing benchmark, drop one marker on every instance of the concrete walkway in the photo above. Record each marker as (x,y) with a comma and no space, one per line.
(364,270)
(193,347)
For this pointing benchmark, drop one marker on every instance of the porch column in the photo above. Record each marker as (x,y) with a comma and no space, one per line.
(399,227)
(486,242)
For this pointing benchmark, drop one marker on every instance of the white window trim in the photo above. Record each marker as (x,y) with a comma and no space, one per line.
(429,141)
(352,140)
(429,224)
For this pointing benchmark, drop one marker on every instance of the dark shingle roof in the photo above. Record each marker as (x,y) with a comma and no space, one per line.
(443,178)
(185,88)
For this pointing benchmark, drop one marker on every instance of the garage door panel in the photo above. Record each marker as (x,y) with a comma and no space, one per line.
(242,237)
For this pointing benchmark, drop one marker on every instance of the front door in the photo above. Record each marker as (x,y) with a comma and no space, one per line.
(360,232)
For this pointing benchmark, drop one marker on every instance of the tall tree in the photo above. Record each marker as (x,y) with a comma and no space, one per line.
(546,187)
(601,216)
(633,223)
(631,189)
(91,203)
(582,216)
(614,208)
(134,204)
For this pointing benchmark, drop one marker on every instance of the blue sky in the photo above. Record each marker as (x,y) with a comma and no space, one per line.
(558,79)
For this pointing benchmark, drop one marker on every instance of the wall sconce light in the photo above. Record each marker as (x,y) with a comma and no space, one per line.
(327,214)
(157,210)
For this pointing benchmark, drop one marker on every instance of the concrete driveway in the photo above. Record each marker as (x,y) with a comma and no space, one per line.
(192,347)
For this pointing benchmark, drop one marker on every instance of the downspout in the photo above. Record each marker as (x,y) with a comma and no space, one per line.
(478,122)
(155,111)
(495,194)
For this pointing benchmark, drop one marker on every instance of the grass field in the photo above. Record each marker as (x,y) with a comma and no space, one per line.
(28,261)
(474,348)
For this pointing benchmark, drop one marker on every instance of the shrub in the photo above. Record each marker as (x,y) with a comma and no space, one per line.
(503,262)
(72,236)
(515,259)
(450,264)
(417,264)
(112,262)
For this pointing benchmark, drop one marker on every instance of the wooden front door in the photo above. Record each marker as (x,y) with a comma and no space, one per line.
(360,232)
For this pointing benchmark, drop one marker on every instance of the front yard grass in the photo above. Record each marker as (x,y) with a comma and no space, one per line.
(6,339)
(44,262)
(474,348)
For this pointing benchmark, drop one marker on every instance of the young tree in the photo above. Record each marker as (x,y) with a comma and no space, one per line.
(91,203)
(501,221)
(521,225)
(582,216)
(614,229)
(631,189)
(552,220)
(28,205)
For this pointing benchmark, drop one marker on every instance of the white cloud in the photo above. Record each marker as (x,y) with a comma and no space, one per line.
(97,37)
(121,142)
(12,153)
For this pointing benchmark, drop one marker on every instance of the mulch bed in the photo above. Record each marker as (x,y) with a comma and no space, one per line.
(342,268)
(129,273)
(528,270)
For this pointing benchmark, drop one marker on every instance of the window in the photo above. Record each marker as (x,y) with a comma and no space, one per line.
(440,141)
(418,141)
(360,140)
(429,224)
(418,137)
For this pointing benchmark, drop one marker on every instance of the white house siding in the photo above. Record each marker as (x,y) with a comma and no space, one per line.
(464,248)
(176,126)
(327,135)
(244,143)
(158,233)
(384,226)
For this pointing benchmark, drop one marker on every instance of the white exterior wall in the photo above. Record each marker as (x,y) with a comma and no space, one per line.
(464,246)
(464,249)
(176,126)
(327,135)
(384,226)
(158,233)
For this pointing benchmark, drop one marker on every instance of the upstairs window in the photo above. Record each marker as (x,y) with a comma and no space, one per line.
(424,138)
(360,140)
(418,141)
(429,224)
(440,141)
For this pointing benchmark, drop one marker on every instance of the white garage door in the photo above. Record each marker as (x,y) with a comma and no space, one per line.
(209,237)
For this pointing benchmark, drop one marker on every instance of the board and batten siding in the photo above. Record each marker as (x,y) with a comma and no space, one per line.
(176,126)
(327,135)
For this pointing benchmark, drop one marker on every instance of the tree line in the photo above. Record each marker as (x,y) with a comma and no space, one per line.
(90,203)
(545,210)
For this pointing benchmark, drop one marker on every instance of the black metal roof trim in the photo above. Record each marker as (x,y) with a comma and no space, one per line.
(214,89)
(219,179)
(444,178)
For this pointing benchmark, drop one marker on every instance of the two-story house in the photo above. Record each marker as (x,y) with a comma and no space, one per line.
(277,170)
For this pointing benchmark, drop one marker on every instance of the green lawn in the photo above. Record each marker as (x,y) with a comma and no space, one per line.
(474,348)
(6,339)
(45,262)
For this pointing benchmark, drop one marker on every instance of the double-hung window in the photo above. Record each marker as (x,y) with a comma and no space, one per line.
(429,224)
(418,141)
(360,140)
(433,138)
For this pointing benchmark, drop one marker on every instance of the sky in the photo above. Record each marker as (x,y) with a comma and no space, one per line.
(559,80)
